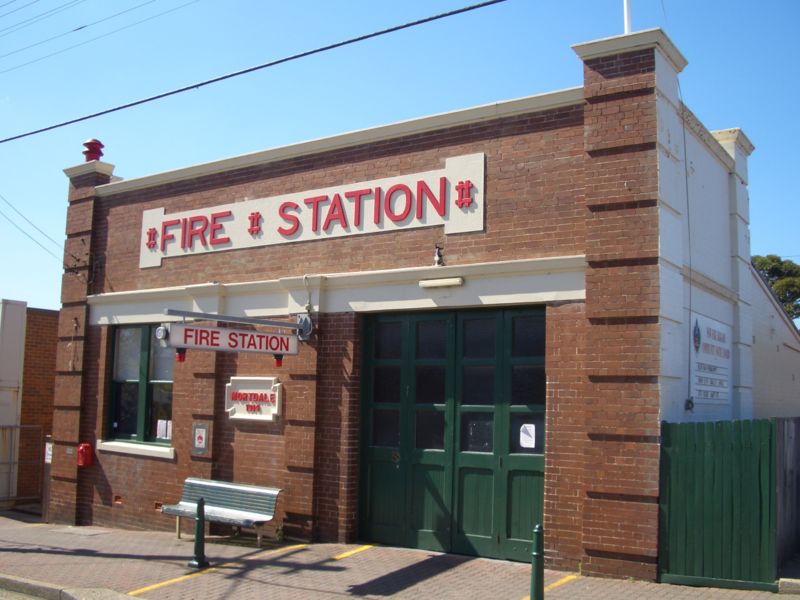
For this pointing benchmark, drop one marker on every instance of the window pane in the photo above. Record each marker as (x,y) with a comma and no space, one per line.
(527,434)
(528,336)
(388,340)
(432,339)
(477,385)
(161,360)
(126,410)
(431,384)
(476,432)
(430,430)
(385,427)
(161,411)
(528,384)
(127,353)
(479,337)
(386,387)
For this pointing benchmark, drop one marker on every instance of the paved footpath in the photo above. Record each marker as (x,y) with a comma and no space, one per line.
(153,565)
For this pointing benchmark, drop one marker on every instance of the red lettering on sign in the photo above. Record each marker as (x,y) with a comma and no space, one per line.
(197,229)
(356,196)
(165,235)
(376,209)
(387,202)
(335,213)
(216,226)
(294,220)
(314,203)
(464,189)
(423,191)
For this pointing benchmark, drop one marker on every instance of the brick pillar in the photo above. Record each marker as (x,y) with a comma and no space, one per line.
(72,330)
(338,418)
(622,79)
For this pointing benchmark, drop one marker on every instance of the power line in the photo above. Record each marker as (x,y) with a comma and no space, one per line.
(14,208)
(40,17)
(18,9)
(29,236)
(76,29)
(257,68)
(99,37)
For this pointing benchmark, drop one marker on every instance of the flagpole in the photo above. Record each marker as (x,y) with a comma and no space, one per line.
(627,10)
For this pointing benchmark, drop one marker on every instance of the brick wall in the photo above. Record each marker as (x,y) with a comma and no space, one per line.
(621,402)
(38,380)
(572,181)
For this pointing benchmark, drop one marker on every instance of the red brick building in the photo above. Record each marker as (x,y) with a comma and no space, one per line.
(499,323)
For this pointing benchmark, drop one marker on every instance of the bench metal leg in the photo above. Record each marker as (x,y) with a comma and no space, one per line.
(258,535)
(178,527)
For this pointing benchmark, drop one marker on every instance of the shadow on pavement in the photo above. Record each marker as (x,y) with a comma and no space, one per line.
(397,581)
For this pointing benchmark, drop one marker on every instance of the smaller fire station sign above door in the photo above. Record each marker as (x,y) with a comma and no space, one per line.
(253,398)
(452,197)
(231,340)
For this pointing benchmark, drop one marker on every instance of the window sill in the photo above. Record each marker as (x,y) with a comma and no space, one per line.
(151,450)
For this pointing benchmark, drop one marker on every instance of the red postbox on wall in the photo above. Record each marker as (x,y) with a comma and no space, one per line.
(85,455)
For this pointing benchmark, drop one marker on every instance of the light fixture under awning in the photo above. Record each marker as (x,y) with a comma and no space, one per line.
(443,282)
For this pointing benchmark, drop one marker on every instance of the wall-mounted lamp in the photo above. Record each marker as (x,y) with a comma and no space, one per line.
(278,360)
(439,283)
(180,354)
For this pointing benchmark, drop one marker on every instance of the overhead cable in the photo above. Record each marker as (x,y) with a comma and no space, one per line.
(94,39)
(40,17)
(273,63)
(76,29)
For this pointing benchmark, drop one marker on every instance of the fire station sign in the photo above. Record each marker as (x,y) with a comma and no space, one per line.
(452,197)
(183,335)
(253,398)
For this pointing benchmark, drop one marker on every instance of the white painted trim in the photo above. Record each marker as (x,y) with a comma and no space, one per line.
(523,281)
(695,126)
(649,38)
(714,287)
(87,168)
(508,108)
(775,304)
(150,450)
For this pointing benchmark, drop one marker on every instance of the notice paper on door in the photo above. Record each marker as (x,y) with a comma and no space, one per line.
(527,435)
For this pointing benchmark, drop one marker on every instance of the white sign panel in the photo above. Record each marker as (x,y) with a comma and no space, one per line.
(183,335)
(253,398)
(452,197)
(711,361)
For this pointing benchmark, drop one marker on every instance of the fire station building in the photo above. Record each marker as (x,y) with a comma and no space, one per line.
(478,321)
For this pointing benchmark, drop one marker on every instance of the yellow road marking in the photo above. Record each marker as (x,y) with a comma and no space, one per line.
(351,552)
(556,584)
(157,586)
(560,582)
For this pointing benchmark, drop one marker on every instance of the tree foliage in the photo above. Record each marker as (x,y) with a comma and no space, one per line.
(783,276)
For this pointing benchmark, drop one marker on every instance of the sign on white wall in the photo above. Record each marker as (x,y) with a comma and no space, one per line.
(253,398)
(452,196)
(711,361)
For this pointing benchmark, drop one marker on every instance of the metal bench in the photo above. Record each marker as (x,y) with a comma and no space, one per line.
(229,503)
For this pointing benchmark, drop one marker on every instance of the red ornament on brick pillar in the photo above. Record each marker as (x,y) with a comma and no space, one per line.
(94,149)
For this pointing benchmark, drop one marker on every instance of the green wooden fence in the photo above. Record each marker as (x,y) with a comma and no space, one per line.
(718,504)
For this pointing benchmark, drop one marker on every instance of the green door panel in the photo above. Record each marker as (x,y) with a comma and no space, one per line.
(453,408)
(430,508)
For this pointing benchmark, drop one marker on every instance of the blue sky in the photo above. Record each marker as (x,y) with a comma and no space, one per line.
(742,72)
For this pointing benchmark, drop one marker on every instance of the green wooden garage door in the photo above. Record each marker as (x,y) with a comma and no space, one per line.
(453,430)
